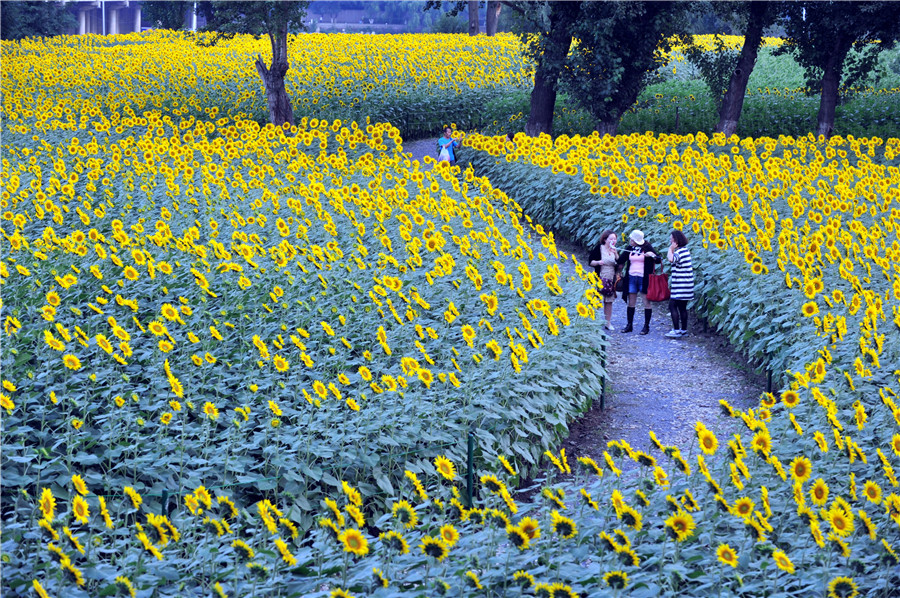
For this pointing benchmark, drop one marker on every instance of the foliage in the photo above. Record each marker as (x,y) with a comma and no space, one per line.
(225,19)
(165,14)
(448,23)
(818,31)
(715,67)
(23,19)
(618,44)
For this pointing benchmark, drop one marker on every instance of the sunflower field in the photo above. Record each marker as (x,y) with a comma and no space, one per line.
(419,82)
(240,360)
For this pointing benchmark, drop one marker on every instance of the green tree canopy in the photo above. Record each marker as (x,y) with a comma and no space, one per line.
(35,19)
(620,45)
(165,14)
(821,36)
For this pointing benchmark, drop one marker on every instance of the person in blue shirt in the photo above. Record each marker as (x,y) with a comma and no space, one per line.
(446,145)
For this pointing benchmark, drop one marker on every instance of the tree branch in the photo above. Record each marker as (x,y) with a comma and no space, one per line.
(514,6)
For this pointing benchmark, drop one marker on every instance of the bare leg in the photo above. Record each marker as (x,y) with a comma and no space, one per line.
(607,310)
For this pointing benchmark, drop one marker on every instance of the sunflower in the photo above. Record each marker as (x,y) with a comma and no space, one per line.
(783,562)
(354,542)
(449,534)
(378,577)
(517,537)
(281,364)
(790,398)
(801,469)
(493,484)
(47,504)
(525,579)
(727,555)
(530,527)
(72,362)
(80,509)
(616,579)
(842,587)
(743,507)
(445,467)
(841,523)
(558,590)
(394,541)
(434,547)
(340,593)
(79,484)
(681,525)
(473,581)
(211,411)
(563,526)
(631,518)
(405,514)
(872,491)
(762,442)
(136,499)
(818,493)
(708,441)
(810,308)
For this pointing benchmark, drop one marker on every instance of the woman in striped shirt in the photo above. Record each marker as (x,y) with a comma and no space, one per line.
(681,283)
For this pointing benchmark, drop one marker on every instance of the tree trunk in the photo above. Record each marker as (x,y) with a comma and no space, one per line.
(280,109)
(474,28)
(733,101)
(493,15)
(608,127)
(543,102)
(831,80)
(546,74)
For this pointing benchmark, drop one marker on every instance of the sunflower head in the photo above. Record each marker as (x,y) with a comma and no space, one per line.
(523,578)
(434,548)
(842,587)
(517,537)
(616,579)
(727,555)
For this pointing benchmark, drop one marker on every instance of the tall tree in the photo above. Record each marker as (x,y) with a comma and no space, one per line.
(492,18)
(549,49)
(35,19)
(165,14)
(759,14)
(619,45)
(821,36)
(474,27)
(272,18)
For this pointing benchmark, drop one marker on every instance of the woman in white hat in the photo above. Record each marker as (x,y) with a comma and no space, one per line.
(638,262)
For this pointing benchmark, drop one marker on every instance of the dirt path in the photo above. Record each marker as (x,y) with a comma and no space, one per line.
(421,147)
(661,384)
(655,383)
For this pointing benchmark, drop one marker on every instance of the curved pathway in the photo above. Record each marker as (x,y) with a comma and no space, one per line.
(655,383)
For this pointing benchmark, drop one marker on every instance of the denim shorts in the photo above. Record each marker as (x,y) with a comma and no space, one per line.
(634,284)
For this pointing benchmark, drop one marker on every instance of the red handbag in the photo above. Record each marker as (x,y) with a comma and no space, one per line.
(658,288)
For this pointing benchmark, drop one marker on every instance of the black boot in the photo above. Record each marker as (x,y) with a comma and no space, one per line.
(647,314)
(630,314)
